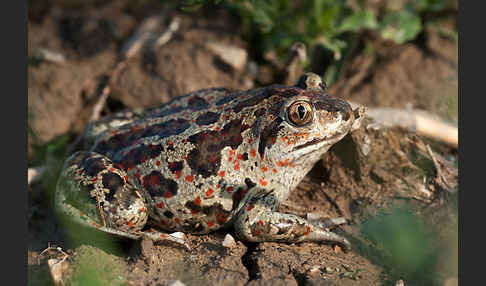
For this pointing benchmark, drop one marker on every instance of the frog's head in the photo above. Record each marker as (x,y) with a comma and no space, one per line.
(301,123)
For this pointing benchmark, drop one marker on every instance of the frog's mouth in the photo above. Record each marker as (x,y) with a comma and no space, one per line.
(331,140)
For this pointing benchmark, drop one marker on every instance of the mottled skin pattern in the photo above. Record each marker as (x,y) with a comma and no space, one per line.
(207,160)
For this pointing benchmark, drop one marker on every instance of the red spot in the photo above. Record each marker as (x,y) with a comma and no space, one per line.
(237,165)
(197,201)
(112,169)
(218,186)
(167,194)
(274,170)
(126,178)
(221,218)
(230,158)
(160,205)
(264,168)
(260,222)
(263,182)
(274,140)
(157,163)
(178,173)
(209,192)
(239,157)
(94,180)
(210,223)
(190,178)
(221,173)
(143,210)
(217,129)
(213,159)
(170,142)
(229,189)
(250,207)
(185,157)
(164,235)
(131,224)
(257,232)
(283,163)
(177,220)
(232,152)
(291,164)
(250,140)
(253,153)
(307,231)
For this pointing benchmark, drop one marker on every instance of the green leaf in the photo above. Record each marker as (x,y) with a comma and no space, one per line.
(358,21)
(400,26)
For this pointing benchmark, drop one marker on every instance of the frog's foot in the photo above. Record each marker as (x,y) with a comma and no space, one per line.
(177,238)
(257,222)
(95,193)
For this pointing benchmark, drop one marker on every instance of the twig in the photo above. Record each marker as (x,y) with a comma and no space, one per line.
(48,55)
(165,37)
(417,121)
(142,35)
(298,53)
(440,178)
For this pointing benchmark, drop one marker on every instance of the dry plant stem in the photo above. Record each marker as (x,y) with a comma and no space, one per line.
(418,121)
(440,179)
(50,56)
(297,54)
(143,34)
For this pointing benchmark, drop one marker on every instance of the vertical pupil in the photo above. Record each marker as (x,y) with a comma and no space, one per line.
(302,111)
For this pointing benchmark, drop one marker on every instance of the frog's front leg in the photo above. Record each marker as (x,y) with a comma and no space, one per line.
(95,193)
(258,221)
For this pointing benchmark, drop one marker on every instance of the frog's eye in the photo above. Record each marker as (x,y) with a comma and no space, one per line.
(300,113)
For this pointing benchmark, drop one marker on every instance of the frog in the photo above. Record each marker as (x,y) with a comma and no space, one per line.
(210,159)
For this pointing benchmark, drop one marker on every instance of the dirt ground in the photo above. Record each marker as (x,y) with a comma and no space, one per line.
(371,175)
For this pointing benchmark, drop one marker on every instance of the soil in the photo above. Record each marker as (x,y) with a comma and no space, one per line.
(370,173)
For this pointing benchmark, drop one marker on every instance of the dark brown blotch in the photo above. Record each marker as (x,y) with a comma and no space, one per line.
(333,104)
(207,118)
(112,182)
(193,207)
(157,185)
(269,135)
(197,103)
(94,165)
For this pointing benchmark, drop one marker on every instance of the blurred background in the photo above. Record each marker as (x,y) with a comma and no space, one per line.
(395,183)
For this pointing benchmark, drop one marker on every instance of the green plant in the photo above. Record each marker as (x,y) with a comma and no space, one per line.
(274,25)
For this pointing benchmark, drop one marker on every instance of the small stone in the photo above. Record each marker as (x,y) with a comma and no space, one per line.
(178,234)
(229,241)
(234,56)
(176,283)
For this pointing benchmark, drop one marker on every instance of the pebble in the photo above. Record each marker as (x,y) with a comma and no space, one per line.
(176,283)
(229,241)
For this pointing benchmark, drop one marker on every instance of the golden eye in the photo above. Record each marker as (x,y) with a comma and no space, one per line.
(300,113)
